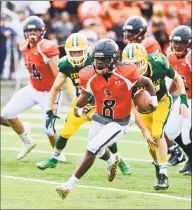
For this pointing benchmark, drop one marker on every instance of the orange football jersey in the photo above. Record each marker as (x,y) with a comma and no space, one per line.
(183,67)
(112,97)
(151,45)
(41,76)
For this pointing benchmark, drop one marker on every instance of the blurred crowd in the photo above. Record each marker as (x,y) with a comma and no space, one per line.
(94,19)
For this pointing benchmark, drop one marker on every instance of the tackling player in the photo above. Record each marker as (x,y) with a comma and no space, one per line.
(41,57)
(76,47)
(156,67)
(179,129)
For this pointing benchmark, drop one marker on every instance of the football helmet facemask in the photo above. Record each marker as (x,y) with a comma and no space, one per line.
(181,40)
(134,29)
(136,53)
(76,48)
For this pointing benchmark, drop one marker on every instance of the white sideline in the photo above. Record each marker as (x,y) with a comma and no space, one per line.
(71,154)
(100,188)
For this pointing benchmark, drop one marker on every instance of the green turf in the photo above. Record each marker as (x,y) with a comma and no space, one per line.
(25,194)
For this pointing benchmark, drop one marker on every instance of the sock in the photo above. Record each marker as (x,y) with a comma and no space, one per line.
(113,148)
(171,148)
(163,168)
(61,142)
(55,154)
(25,138)
(110,161)
(73,181)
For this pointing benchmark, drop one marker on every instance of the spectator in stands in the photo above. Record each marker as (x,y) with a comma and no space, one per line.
(7,35)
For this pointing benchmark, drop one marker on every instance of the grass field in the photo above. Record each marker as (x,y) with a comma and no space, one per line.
(23,186)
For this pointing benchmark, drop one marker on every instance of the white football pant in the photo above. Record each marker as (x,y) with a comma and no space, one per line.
(178,124)
(26,98)
(101,136)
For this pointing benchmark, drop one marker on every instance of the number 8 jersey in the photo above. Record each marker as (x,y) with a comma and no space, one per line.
(112,97)
(36,60)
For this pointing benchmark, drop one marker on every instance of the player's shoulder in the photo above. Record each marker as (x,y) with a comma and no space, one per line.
(151,45)
(48,45)
(126,68)
(63,62)
(86,73)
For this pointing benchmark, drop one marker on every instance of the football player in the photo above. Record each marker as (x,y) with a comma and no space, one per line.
(178,128)
(41,57)
(134,31)
(156,67)
(111,84)
(77,57)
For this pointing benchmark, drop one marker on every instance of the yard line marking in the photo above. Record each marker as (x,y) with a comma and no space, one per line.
(99,188)
(79,138)
(71,154)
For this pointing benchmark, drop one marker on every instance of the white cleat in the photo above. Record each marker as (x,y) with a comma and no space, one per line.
(112,170)
(62,158)
(27,147)
(62,191)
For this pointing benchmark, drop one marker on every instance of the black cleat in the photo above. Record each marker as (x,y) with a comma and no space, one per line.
(162,182)
(156,169)
(188,173)
(176,157)
(186,167)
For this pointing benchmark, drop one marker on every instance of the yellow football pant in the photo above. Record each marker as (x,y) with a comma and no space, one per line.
(155,122)
(73,123)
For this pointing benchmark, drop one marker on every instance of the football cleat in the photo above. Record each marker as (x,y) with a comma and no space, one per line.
(124,167)
(176,157)
(27,147)
(62,158)
(186,167)
(112,170)
(49,163)
(162,182)
(62,191)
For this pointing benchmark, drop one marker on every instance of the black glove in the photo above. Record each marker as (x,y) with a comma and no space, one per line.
(50,116)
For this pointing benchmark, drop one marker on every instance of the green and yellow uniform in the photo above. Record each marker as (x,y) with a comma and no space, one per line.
(159,68)
(73,123)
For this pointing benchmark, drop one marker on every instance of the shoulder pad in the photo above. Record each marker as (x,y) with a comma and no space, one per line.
(151,45)
(126,68)
(86,73)
(49,48)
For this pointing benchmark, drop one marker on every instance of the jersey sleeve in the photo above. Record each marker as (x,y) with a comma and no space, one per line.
(62,64)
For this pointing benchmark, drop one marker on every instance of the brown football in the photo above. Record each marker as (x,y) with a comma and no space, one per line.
(141,100)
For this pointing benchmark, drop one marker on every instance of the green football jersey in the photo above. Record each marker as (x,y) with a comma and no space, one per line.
(160,68)
(71,71)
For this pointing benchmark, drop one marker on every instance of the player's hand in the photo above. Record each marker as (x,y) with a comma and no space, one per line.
(183,109)
(87,109)
(147,135)
(149,110)
(50,116)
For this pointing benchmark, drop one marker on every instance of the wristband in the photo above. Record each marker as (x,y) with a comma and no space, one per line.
(154,100)
(184,99)
(80,112)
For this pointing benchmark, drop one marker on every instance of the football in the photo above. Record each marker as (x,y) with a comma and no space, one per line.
(141,100)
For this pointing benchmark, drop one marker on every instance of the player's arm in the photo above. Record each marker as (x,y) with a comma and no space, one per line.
(148,84)
(171,73)
(53,63)
(181,89)
(146,134)
(56,87)
(82,107)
